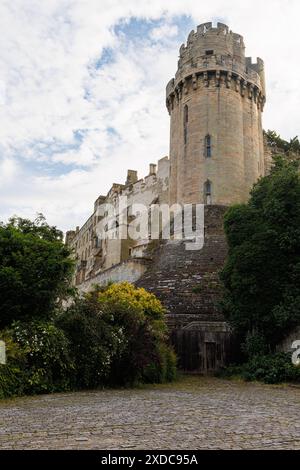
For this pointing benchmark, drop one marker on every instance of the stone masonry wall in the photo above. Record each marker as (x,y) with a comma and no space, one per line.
(130,270)
(187,281)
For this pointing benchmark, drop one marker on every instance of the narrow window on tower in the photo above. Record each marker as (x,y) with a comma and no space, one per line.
(207,145)
(185,123)
(207,192)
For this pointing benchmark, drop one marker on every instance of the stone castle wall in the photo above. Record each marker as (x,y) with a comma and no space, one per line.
(130,271)
(187,283)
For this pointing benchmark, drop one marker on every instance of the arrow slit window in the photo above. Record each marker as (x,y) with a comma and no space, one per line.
(207,146)
(185,123)
(207,192)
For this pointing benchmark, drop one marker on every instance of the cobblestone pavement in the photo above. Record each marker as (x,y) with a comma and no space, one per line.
(195,413)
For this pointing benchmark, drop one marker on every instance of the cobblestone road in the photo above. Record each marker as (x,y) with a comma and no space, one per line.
(195,413)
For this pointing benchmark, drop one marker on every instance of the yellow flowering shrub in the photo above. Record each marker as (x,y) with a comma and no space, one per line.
(137,298)
(147,356)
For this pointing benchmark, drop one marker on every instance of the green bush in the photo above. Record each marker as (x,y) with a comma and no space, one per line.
(46,362)
(11,381)
(270,369)
(93,341)
(163,369)
(254,345)
(118,337)
(12,374)
(110,337)
(146,356)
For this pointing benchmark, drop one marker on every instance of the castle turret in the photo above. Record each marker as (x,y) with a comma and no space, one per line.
(215,102)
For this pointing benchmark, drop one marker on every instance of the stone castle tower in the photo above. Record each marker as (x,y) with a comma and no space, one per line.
(215,102)
(216,155)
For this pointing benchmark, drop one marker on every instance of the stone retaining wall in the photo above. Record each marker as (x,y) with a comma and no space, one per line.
(130,271)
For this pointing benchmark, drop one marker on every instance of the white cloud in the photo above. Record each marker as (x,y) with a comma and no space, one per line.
(58,108)
(166,30)
(8,171)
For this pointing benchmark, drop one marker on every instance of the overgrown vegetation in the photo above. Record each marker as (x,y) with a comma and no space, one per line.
(112,336)
(35,270)
(262,274)
(118,337)
(269,368)
(281,145)
(39,359)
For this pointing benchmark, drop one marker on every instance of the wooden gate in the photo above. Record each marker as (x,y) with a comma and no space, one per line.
(199,351)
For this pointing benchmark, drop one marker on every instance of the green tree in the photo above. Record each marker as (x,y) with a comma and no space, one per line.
(262,274)
(35,269)
(276,141)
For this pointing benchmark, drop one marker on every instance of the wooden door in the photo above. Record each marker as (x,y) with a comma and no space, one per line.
(210,357)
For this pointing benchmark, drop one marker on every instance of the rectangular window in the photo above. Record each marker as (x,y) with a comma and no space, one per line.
(209,52)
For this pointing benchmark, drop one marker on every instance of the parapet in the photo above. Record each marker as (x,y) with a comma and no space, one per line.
(205,27)
(215,56)
(212,40)
(259,68)
(117,187)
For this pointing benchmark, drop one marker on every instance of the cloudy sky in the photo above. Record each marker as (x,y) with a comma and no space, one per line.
(82,90)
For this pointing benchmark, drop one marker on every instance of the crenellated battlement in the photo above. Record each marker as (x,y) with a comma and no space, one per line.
(215,56)
(220,37)
(259,68)
(206,27)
